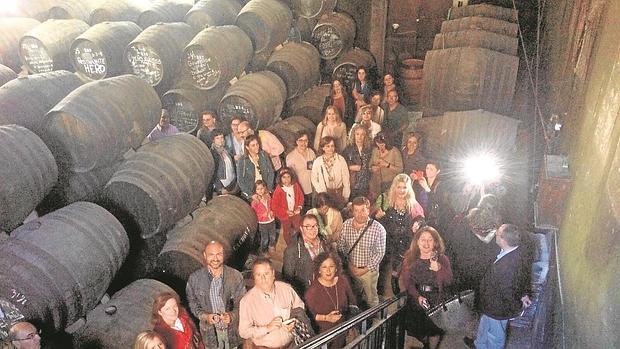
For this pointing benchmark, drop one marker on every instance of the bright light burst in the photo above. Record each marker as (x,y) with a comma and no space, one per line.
(481,168)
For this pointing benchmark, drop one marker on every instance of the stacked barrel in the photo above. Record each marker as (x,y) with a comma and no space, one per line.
(474,62)
(88,207)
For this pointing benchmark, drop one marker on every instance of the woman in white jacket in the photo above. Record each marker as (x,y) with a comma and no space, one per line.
(330,173)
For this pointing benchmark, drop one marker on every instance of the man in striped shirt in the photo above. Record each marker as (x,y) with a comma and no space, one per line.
(213,294)
(364,256)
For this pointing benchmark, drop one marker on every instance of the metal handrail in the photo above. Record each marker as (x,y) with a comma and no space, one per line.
(360,321)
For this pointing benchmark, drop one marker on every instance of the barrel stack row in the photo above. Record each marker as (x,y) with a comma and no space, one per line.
(171,56)
(81,141)
(56,268)
(474,62)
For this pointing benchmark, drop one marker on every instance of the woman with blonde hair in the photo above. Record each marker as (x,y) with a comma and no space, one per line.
(149,340)
(397,210)
(364,118)
(332,126)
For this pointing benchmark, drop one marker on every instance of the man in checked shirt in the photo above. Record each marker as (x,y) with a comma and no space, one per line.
(365,256)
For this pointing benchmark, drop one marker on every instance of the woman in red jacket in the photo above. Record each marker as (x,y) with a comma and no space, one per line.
(173,323)
(287,202)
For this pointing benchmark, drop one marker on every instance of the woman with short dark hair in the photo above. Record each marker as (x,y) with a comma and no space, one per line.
(287,202)
(330,173)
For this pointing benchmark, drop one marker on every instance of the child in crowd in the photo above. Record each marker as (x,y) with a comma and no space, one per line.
(261,204)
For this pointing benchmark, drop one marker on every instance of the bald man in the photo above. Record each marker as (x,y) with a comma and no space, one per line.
(24,335)
(213,294)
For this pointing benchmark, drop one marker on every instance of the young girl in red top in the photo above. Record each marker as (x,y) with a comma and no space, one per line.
(287,202)
(261,204)
(174,324)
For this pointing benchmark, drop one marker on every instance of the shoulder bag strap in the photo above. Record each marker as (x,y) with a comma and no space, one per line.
(360,237)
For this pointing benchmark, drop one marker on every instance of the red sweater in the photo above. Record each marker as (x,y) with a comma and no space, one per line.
(279,206)
(180,339)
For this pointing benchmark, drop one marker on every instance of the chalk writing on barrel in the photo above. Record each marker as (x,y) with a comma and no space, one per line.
(204,69)
(183,116)
(91,61)
(36,56)
(145,63)
(328,41)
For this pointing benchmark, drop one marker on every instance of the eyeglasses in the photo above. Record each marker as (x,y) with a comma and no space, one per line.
(314,226)
(30,336)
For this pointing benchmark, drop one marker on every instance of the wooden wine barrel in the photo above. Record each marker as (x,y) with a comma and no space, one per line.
(411,72)
(76,186)
(481,23)
(298,64)
(187,104)
(164,11)
(216,55)
(211,13)
(77,9)
(56,268)
(266,22)
(226,219)
(485,10)
(25,101)
(477,38)
(99,121)
(6,74)
(118,10)
(11,30)
(312,8)
(310,104)
(98,52)
(46,47)
(29,172)
(259,97)
(126,314)
(349,61)
(469,78)
(301,29)
(155,54)
(161,183)
(37,9)
(286,130)
(334,34)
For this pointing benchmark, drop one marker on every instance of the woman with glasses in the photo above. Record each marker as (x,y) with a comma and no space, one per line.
(300,161)
(252,166)
(297,267)
(330,299)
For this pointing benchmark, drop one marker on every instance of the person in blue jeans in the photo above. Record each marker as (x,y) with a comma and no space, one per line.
(504,290)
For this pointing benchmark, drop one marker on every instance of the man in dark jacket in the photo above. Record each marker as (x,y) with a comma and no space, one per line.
(213,294)
(298,267)
(504,290)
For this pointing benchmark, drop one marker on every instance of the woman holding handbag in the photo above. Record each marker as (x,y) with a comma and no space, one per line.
(330,173)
